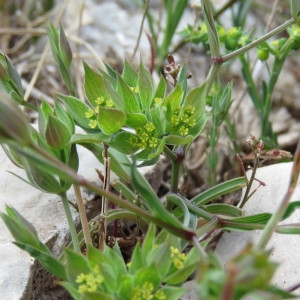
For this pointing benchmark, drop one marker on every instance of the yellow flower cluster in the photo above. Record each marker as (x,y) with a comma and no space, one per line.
(89,282)
(145,292)
(183,120)
(92,114)
(135,89)
(144,137)
(177,257)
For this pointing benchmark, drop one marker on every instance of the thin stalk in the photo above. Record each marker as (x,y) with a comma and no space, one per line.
(83,217)
(199,248)
(250,182)
(175,176)
(79,180)
(70,222)
(176,164)
(259,40)
(276,217)
(211,76)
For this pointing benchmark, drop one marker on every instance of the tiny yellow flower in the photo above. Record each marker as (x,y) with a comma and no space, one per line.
(153,142)
(177,257)
(100,100)
(157,101)
(135,89)
(174,120)
(183,130)
(89,282)
(93,123)
(89,114)
(109,103)
(190,110)
(133,140)
(149,127)
(160,295)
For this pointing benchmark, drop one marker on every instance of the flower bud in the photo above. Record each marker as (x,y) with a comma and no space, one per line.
(13,123)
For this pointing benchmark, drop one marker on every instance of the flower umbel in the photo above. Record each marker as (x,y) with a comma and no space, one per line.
(177,257)
(89,282)
(147,292)
(144,137)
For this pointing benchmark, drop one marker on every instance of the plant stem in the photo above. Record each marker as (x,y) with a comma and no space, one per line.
(213,71)
(276,217)
(259,40)
(175,176)
(83,217)
(70,222)
(70,175)
(250,182)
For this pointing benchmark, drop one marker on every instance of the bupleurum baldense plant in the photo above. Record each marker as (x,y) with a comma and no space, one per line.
(127,121)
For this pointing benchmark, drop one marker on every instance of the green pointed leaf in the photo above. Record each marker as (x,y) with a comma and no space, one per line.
(111,72)
(136,120)
(112,81)
(73,158)
(182,78)
(64,48)
(57,134)
(137,260)
(76,264)
(13,156)
(181,275)
(3,68)
(13,123)
(15,78)
(158,118)
(172,292)
(54,41)
(172,101)
(197,99)
(122,142)
(158,150)
(198,128)
(224,209)
(131,104)
(129,75)
(90,138)
(149,239)
(41,179)
(64,117)
(45,110)
(125,287)
(76,109)
(110,120)
(161,88)
(148,273)
(219,190)
(22,230)
(94,85)
(145,84)
(161,257)
(178,140)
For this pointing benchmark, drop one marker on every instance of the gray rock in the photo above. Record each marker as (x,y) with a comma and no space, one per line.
(284,248)
(21,277)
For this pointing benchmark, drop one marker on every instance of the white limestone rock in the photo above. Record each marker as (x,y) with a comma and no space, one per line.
(284,248)
(18,270)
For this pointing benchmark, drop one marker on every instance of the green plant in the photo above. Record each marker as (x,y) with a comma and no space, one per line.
(236,43)
(129,122)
